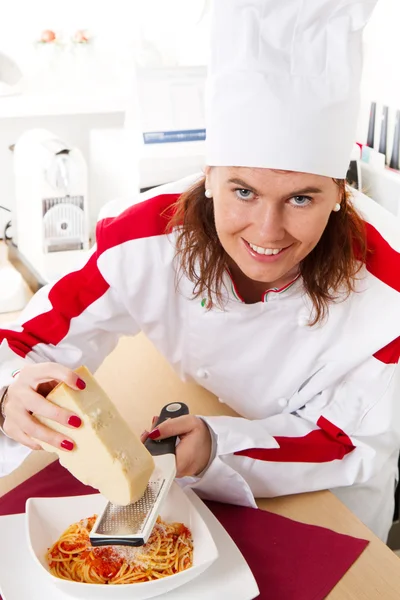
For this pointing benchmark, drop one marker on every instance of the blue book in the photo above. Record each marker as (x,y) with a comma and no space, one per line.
(167,137)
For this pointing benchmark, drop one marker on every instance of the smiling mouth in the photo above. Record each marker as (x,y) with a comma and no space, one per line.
(265,251)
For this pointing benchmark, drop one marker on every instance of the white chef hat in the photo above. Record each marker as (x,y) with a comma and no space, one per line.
(283,83)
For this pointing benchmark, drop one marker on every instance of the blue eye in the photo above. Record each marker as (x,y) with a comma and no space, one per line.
(244,194)
(300,201)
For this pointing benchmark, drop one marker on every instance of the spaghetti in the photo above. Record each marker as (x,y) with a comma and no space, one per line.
(169,550)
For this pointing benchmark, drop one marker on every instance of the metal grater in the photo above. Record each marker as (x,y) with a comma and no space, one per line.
(132,525)
(117,520)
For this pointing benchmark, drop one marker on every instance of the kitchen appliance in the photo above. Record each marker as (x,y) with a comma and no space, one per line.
(10,76)
(50,222)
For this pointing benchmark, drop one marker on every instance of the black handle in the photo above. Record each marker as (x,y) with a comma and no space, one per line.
(118,541)
(167,446)
(394,161)
(371,126)
(384,130)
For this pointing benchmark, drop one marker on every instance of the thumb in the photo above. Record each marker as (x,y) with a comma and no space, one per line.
(176,426)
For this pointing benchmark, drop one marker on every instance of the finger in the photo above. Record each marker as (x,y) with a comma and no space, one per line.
(177,426)
(32,428)
(20,437)
(144,436)
(31,444)
(25,440)
(31,401)
(40,373)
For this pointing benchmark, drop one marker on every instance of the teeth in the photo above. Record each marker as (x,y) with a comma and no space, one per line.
(267,251)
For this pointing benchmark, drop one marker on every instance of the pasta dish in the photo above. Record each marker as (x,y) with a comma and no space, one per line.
(169,550)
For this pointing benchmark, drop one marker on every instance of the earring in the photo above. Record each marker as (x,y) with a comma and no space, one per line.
(337,207)
(208,193)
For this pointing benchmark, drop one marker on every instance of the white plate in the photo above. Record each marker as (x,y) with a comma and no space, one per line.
(47,518)
(228,577)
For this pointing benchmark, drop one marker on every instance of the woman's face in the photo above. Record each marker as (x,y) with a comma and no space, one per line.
(268,221)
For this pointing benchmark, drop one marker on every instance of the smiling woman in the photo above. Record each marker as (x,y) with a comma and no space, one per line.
(225,272)
(267,227)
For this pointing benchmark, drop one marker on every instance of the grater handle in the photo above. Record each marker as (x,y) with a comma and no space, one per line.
(167,446)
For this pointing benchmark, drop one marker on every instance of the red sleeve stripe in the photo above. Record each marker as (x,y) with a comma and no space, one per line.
(69,297)
(146,219)
(322,445)
(390,354)
(382,261)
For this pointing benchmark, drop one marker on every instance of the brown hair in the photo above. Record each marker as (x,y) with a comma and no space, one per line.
(331,266)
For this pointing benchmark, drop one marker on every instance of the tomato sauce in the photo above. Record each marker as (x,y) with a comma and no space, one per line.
(105,562)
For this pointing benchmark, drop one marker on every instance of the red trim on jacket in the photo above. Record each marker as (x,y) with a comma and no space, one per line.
(384,263)
(390,354)
(382,260)
(322,445)
(69,297)
(146,219)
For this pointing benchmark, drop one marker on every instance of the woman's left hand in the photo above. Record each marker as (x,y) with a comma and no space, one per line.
(194,449)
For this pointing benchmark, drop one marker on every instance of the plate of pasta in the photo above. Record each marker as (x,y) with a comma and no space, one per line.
(179,549)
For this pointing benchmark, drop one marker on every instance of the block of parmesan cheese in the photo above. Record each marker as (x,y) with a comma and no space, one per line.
(107,455)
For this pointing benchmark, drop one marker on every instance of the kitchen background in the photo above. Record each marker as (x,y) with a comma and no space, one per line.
(103,76)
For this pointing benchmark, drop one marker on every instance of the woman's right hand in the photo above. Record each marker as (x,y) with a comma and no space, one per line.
(27,395)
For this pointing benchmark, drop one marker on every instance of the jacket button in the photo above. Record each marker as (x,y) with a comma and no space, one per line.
(282,402)
(303,321)
(202,373)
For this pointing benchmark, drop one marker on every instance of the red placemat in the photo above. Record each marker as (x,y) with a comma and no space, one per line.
(288,559)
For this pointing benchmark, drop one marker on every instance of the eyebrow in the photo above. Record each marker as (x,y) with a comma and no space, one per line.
(302,192)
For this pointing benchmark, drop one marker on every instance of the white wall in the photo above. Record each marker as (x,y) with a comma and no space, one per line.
(381,77)
(180,35)
(151,32)
(165,32)
(117,26)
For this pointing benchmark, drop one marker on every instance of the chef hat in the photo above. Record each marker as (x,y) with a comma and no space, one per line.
(283,83)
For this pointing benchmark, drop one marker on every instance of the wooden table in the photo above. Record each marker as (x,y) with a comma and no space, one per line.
(140,381)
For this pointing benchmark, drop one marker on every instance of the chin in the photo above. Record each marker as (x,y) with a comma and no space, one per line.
(265,275)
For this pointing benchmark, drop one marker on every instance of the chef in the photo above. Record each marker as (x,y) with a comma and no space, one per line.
(266,280)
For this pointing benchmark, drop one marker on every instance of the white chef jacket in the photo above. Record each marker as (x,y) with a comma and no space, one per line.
(320,405)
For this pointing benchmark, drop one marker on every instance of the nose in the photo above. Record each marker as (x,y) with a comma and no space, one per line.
(270,223)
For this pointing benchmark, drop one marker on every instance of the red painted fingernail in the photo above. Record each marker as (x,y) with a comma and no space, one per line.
(75,421)
(67,445)
(80,383)
(153,435)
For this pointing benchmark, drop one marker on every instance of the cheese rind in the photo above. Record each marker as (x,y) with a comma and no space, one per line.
(107,454)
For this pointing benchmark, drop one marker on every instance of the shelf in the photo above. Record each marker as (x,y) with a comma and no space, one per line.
(30,105)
